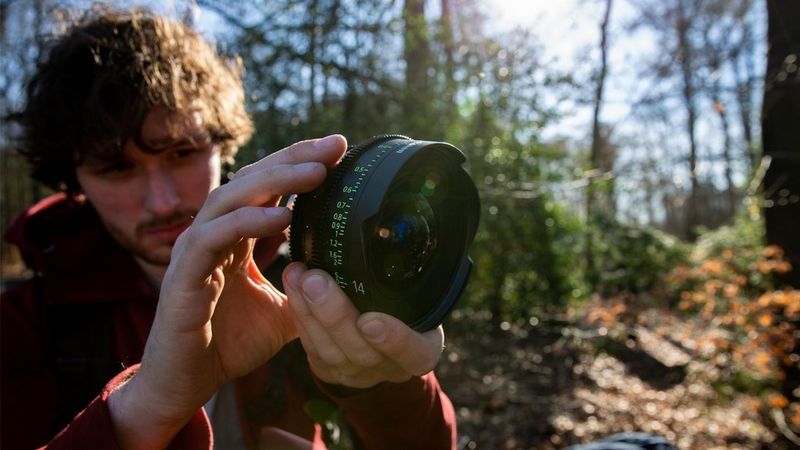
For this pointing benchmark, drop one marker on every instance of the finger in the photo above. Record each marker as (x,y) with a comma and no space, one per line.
(261,188)
(330,318)
(337,316)
(311,334)
(200,248)
(416,353)
(328,151)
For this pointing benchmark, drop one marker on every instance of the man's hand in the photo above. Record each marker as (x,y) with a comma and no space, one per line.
(348,348)
(217,317)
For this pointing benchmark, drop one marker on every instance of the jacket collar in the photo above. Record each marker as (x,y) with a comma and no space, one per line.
(63,241)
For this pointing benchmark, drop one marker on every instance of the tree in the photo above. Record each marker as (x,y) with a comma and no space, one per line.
(315,67)
(715,40)
(781,140)
(675,23)
(781,134)
(417,95)
(706,58)
(597,147)
(743,67)
(23,26)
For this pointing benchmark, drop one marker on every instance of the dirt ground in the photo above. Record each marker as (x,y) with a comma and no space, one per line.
(553,383)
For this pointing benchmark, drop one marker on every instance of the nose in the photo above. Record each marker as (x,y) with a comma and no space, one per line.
(162,196)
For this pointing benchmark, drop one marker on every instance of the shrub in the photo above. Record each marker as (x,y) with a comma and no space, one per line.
(727,283)
(632,258)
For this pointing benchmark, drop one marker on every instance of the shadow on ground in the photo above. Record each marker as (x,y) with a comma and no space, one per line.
(553,383)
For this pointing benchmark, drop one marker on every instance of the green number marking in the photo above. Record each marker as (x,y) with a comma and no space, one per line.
(339,218)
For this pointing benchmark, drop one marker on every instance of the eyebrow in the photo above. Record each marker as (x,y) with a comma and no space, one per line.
(158,145)
(167,142)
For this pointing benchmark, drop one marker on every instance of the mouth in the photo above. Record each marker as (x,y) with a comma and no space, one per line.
(167,232)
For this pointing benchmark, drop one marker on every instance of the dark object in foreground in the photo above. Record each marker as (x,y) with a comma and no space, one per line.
(392,224)
(627,441)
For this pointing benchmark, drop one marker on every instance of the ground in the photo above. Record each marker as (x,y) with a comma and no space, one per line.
(548,383)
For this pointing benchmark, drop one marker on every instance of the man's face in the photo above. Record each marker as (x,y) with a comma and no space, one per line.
(147,198)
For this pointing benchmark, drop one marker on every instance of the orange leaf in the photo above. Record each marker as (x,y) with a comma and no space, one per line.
(777,401)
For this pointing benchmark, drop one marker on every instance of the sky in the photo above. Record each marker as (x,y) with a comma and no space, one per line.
(570,32)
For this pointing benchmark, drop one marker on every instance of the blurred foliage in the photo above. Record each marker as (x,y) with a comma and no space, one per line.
(632,258)
(727,283)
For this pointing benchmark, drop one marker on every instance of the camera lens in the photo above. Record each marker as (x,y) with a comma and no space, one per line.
(392,223)
(405,237)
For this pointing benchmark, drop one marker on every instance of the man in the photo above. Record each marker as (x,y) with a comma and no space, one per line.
(142,256)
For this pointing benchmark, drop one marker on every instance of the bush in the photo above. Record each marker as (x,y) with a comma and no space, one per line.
(727,283)
(631,258)
(526,257)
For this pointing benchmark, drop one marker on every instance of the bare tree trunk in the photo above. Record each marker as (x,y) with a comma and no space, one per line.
(350,100)
(781,133)
(726,156)
(781,140)
(40,10)
(686,57)
(416,52)
(446,36)
(744,91)
(591,195)
(312,56)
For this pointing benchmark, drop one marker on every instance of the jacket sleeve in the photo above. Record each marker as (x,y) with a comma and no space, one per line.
(28,394)
(92,427)
(414,414)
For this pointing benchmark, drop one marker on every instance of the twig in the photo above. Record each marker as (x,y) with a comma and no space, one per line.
(780,421)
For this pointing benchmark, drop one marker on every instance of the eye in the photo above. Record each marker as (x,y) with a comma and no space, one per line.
(115,168)
(183,153)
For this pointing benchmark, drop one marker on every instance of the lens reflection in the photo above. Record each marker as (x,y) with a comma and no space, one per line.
(405,237)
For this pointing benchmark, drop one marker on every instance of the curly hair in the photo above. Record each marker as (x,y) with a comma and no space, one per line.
(96,85)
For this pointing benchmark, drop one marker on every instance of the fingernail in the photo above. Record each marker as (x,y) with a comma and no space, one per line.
(292,275)
(374,331)
(327,142)
(315,288)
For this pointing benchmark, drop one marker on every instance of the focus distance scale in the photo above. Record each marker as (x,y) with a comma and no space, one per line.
(392,223)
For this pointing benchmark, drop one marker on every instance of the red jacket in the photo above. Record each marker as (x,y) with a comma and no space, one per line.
(85,317)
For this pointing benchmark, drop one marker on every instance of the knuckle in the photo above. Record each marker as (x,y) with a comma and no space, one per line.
(189,238)
(273,171)
(368,360)
(424,368)
(241,215)
(300,145)
(215,195)
(334,320)
(331,357)
(299,312)
(243,171)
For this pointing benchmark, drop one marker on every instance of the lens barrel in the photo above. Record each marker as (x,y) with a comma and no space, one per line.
(392,223)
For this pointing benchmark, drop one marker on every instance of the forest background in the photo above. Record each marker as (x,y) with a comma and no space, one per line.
(637,167)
